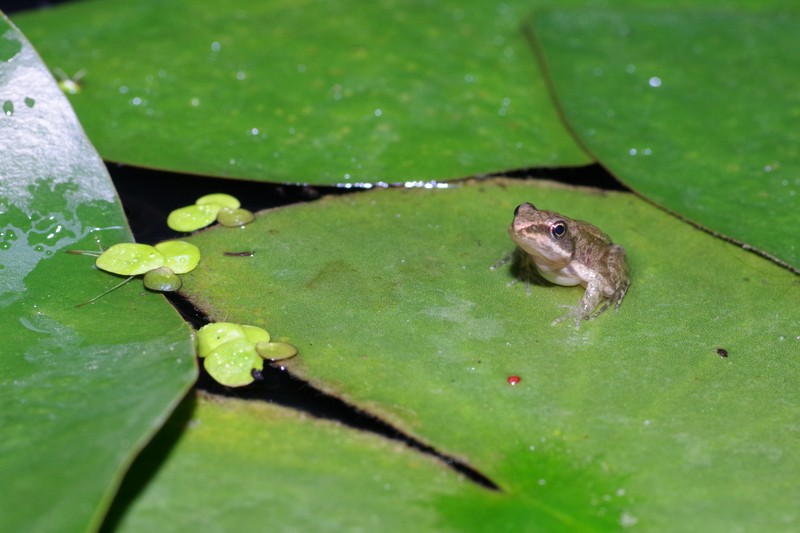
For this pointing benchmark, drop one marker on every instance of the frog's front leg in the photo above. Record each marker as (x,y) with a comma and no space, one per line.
(583,311)
(503,260)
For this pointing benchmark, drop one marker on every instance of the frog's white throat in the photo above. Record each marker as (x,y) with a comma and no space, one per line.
(556,271)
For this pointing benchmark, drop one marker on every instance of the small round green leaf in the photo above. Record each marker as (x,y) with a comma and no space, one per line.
(275,351)
(220,199)
(210,336)
(192,217)
(234,217)
(233,362)
(162,279)
(255,334)
(130,259)
(180,256)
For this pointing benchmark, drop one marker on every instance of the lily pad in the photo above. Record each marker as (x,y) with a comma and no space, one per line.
(300,474)
(389,298)
(83,389)
(690,109)
(342,92)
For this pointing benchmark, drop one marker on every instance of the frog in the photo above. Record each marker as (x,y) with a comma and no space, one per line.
(567,252)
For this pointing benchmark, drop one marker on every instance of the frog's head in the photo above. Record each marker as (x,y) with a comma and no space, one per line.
(544,235)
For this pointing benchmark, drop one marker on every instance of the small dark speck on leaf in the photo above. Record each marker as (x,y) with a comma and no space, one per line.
(722,352)
(239,254)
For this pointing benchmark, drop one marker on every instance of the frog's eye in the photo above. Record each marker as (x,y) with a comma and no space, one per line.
(558,229)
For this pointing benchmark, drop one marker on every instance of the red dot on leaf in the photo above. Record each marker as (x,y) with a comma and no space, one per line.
(513,380)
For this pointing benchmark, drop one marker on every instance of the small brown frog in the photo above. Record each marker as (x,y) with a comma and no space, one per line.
(570,252)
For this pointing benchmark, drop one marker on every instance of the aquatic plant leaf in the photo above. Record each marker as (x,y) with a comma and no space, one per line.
(81,389)
(689,108)
(389,298)
(341,92)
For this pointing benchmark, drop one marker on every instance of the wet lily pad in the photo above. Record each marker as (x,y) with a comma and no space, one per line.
(300,474)
(340,92)
(392,305)
(691,109)
(83,389)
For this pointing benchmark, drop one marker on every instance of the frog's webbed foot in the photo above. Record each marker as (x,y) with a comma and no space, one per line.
(599,310)
(585,310)
(575,313)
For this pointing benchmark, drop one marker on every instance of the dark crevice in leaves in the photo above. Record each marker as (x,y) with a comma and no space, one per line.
(147,464)
(593,175)
(13,6)
(148,196)
(278,386)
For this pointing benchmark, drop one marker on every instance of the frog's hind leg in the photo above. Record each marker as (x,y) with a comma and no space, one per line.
(606,304)
(619,280)
(619,295)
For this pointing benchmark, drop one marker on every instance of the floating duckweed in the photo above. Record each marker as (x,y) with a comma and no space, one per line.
(180,256)
(220,199)
(275,351)
(218,206)
(162,279)
(130,259)
(255,334)
(234,217)
(233,362)
(233,351)
(212,335)
(192,217)
(160,264)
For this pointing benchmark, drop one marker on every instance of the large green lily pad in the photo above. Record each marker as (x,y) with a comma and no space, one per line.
(235,464)
(82,388)
(390,299)
(341,92)
(691,109)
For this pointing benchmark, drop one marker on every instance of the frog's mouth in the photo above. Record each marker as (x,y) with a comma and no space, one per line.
(547,254)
